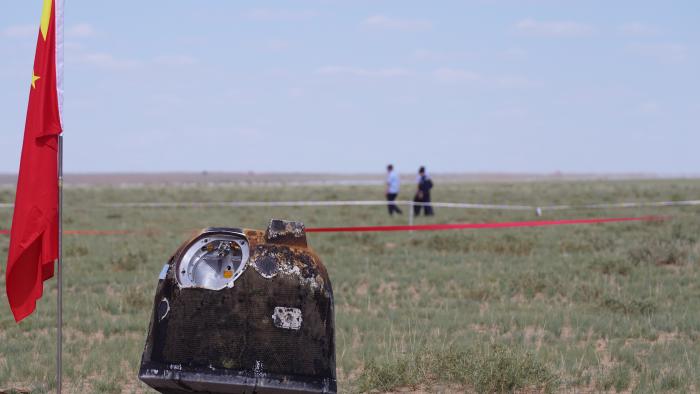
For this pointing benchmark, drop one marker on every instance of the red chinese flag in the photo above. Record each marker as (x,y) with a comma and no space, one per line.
(34,234)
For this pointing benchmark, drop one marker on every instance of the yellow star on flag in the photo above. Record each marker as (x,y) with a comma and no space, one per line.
(34,79)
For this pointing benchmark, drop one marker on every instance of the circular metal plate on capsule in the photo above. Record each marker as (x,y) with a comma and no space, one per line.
(213,261)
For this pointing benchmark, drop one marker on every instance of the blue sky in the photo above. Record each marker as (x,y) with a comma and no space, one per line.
(348,86)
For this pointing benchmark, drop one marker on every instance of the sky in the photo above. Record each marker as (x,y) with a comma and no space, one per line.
(350,86)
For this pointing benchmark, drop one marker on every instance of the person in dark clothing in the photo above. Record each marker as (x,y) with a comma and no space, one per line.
(423,194)
(392,189)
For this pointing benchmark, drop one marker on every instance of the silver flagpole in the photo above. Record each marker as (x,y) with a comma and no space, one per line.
(59,306)
(58,21)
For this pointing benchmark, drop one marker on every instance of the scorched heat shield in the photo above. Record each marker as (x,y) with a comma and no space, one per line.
(242,311)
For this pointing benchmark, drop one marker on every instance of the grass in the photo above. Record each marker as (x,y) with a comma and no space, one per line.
(612,307)
(493,368)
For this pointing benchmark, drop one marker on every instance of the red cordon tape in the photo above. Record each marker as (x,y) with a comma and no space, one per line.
(85,232)
(97,232)
(420,227)
(459,226)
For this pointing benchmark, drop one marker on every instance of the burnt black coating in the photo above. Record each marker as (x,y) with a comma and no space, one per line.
(230,336)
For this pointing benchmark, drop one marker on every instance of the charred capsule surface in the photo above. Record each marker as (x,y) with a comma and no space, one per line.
(242,311)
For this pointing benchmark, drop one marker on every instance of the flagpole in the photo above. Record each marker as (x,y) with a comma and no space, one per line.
(58,20)
(59,298)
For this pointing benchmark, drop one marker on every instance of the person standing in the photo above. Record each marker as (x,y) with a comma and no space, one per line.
(423,193)
(392,189)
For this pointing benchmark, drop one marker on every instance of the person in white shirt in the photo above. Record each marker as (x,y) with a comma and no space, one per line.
(392,189)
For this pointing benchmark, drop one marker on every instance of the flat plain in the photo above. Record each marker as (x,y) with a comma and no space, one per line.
(580,308)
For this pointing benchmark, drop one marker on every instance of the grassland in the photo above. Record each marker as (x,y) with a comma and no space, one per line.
(594,308)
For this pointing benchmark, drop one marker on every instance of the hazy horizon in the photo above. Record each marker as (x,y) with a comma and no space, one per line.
(304,178)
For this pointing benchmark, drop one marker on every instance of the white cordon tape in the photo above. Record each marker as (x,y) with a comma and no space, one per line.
(312,204)
(622,205)
(243,204)
(398,202)
(538,209)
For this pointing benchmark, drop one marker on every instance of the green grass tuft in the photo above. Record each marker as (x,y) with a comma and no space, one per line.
(494,368)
